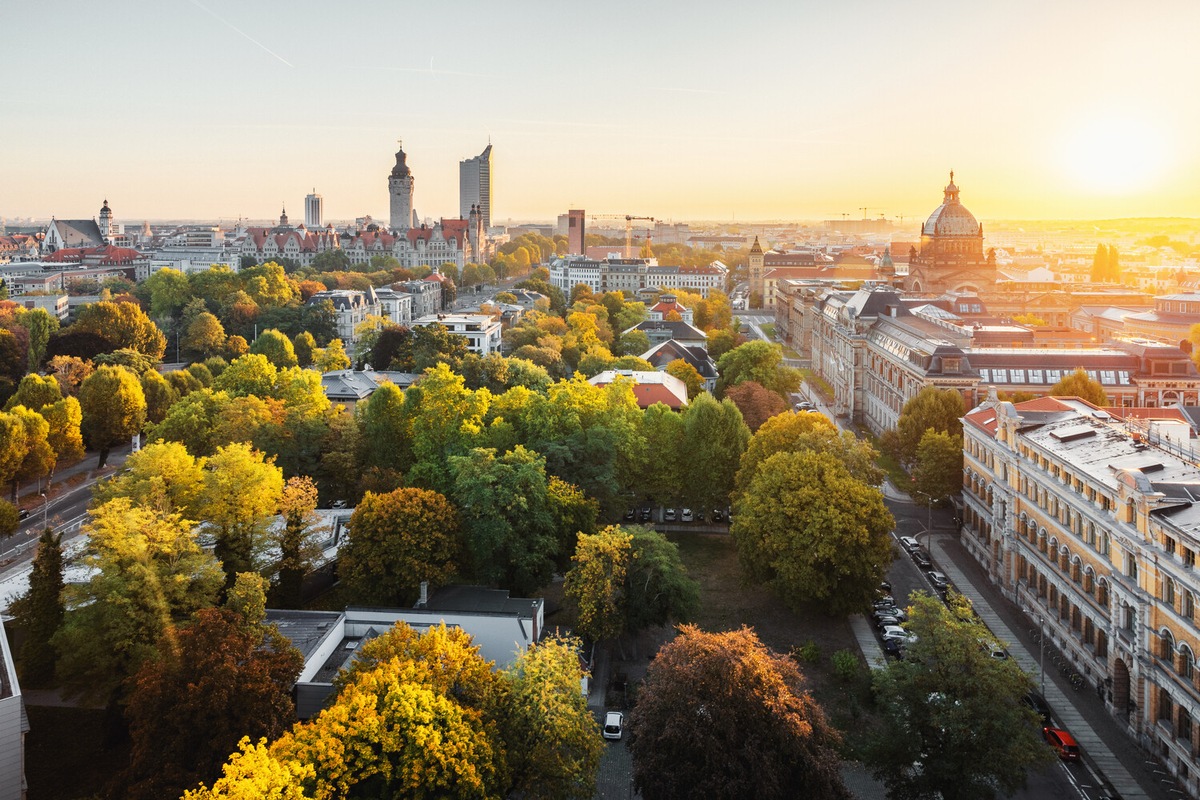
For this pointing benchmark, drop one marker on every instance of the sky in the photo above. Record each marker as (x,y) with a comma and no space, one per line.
(219,109)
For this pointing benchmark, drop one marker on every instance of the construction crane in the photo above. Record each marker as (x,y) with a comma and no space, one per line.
(629,218)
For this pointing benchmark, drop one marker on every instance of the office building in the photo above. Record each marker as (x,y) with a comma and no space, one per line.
(475,186)
(313,208)
(576,232)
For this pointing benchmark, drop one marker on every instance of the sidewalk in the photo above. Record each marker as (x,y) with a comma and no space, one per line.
(1130,771)
(29,496)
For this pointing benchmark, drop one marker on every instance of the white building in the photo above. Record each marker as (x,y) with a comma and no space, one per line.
(482,331)
(13,727)
(314,206)
(352,307)
(395,306)
(634,275)
(475,186)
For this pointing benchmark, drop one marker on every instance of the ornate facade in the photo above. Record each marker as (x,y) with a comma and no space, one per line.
(951,256)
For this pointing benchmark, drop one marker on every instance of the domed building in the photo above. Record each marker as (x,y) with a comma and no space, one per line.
(951,257)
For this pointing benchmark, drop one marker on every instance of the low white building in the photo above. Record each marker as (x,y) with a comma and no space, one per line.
(351,307)
(14,724)
(482,331)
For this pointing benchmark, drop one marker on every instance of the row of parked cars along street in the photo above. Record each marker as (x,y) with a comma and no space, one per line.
(646,513)
(889,619)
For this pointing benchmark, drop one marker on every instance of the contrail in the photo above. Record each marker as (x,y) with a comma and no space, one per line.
(241,33)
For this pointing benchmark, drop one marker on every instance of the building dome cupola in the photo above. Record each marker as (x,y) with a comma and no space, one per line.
(401,169)
(951,218)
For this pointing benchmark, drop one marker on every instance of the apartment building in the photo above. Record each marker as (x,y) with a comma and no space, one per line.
(1089,519)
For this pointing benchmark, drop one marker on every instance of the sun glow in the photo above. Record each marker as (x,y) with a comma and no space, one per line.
(1115,155)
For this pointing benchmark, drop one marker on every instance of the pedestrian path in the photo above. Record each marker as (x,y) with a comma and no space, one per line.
(1125,784)
(872,650)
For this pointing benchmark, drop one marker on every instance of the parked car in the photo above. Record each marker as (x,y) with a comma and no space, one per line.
(805,406)
(1039,704)
(885,587)
(1063,743)
(887,621)
(993,648)
(23,513)
(718,515)
(910,544)
(894,632)
(686,515)
(893,648)
(644,514)
(614,725)
(887,601)
(891,611)
(630,514)
(669,515)
(939,580)
(699,516)
(921,559)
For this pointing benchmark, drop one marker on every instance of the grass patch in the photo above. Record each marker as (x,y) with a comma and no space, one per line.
(64,755)
(887,462)
(819,384)
(768,329)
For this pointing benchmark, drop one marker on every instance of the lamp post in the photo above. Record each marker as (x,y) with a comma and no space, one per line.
(928,509)
(45,509)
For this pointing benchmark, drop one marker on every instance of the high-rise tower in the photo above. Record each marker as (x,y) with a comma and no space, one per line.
(106,223)
(400,188)
(756,268)
(313,207)
(475,186)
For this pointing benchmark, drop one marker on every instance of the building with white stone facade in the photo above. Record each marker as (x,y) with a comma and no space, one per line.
(351,308)
(285,241)
(482,331)
(395,306)
(635,274)
(1089,519)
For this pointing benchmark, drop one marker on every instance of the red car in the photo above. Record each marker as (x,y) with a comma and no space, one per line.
(1063,743)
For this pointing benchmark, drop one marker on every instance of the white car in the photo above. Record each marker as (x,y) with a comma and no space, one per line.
(910,544)
(686,515)
(897,633)
(614,725)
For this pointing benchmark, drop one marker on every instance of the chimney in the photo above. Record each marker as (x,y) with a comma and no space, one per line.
(424,601)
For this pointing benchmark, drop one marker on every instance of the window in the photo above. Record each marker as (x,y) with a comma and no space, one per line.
(1187,662)
(1053,375)
(1131,566)
(1187,605)
(1169,545)
(983,375)
(1189,558)
(1108,376)
(1166,645)
(1035,376)
(1018,376)
(1168,592)
(1000,376)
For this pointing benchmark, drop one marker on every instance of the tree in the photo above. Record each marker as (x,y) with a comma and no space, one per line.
(808,432)
(35,392)
(169,291)
(757,361)
(160,395)
(595,585)
(241,493)
(385,428)
(396,541)
(41,327)
(932,409)
(658,588)
(553,740)
(507,526)
(716,437)
(660,473)
(720,715)
(161,476)
(70,372)
(297,549)
(572,512)
(813,532)
(756,403)
(445,419)
(1080,384)
(688,374)
(40,611)
(938,473)
(276,347)
(65,438)
(205,336)
(332,357)
(304,345)
(10,518)
(126,357)
(39,457)
(147,571)
(113,407)
(1100,264)
(189,706)
(954,724)
(13,447)
(125,325)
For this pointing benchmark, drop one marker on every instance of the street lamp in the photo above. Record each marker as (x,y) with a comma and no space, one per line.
(1041,648)
(45,510)
(928,509)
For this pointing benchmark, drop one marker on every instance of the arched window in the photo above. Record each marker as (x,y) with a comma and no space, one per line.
(1166,645)
(1102,592)
(1089,580)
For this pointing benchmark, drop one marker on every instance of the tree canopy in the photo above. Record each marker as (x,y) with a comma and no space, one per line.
(1080,384)
(720,715)
(932,409)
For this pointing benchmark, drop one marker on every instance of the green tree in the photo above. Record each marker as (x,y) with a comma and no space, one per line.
(1100,264)
(553,740)
(954,724)
(384,425)
(41,327)
(10,519)
(35,392)
(632,343)
(660,475)
(190,705)
(276,347)
(146,572)
(708,695)
(304,345)
(251,374)
(435,344)
(814,533)
(160,396)
(658,588)
(14,446)
(808,432)
(938,472)
(932,409)
(396,541)
(169,291)
(241,493)
(128,358)
(572,512)
(113,407)
(1079,384)
(757,361)
(445,419)
(204,337)
(717,437)
(161,476)
(507,526)
(40,611)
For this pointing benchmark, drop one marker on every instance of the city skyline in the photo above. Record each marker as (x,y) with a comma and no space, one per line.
(800,111)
